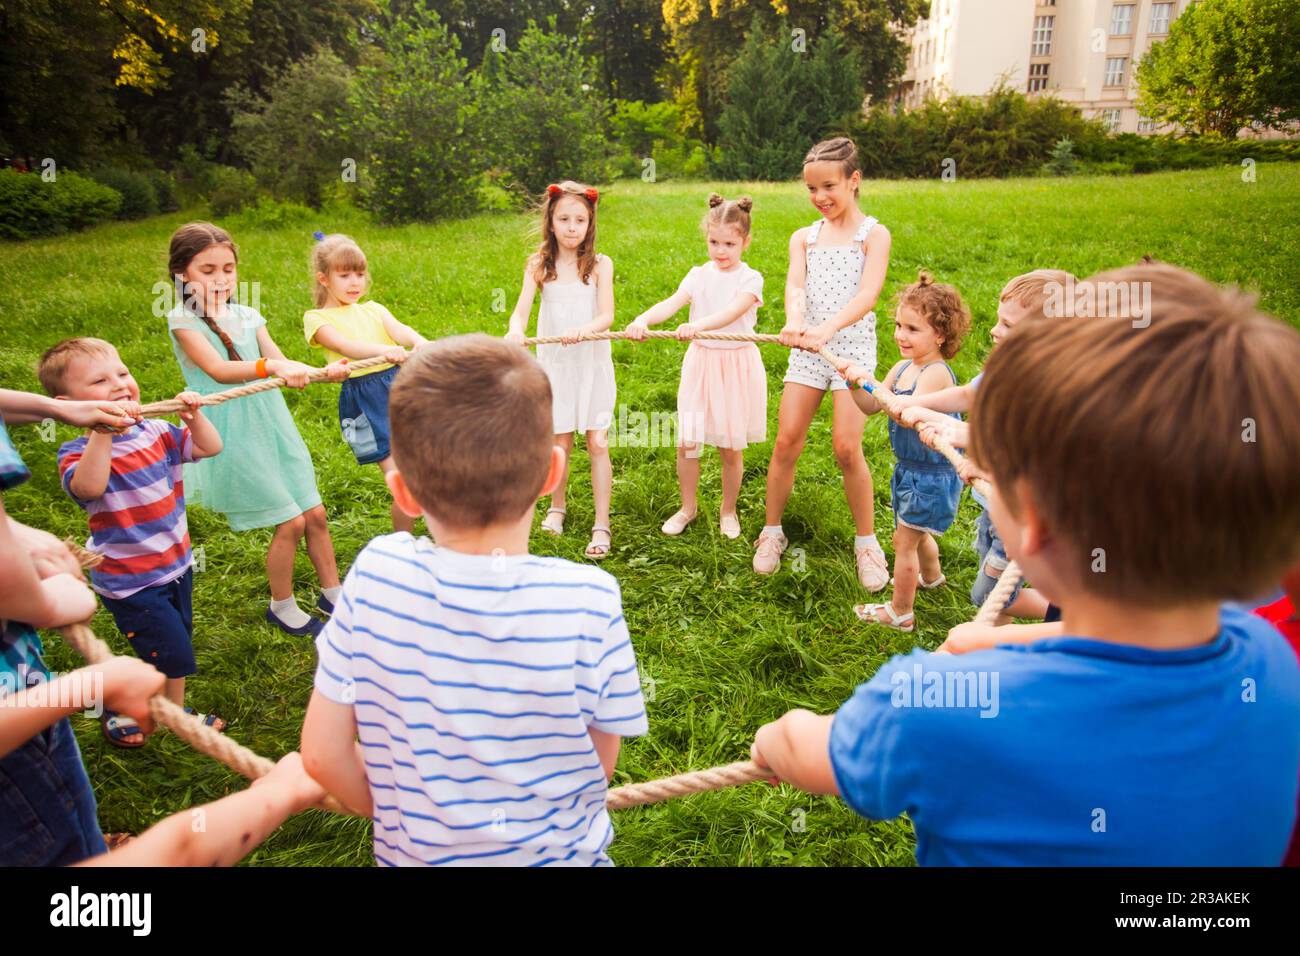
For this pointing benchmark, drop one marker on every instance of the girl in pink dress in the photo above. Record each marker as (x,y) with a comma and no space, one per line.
(722,399)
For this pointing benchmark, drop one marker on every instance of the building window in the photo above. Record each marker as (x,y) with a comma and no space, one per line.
(1160,14)
(1121,19)
(1111,119)
(1146,124)
(1037,77)
(1043,36)
(1115,70)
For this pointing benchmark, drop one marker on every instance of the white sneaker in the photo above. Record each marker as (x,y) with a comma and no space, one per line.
(768,556)
(873,570)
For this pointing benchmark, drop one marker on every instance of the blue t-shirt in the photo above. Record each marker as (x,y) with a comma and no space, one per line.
(1081,753)
(20,646)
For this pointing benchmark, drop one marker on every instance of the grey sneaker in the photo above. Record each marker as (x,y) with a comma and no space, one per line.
(873,570)
(767,559)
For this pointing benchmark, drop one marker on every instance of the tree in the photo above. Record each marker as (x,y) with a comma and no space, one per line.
(413,118)
(1226,65)
(707,36)
(545,111)
(782,99)
(630,43)
(294,138)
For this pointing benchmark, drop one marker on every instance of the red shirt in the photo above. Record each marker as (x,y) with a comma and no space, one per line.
(1281,614)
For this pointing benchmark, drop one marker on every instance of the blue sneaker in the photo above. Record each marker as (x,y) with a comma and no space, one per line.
(325,605)
(312,627)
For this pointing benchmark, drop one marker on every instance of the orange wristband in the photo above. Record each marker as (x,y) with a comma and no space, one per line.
(261,369)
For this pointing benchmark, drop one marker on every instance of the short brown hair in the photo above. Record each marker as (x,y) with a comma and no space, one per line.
(471,429)
(838,149)
(1033,289)
(729,212)
(942,307)
(52,369)
(1173,446)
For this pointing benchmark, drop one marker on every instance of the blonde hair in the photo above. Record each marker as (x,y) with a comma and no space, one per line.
(839,149)
(1030,291)
(52,369)
(729,212)
(543,261)
(471,429)
(1091,418)
(335,253)
(940,305)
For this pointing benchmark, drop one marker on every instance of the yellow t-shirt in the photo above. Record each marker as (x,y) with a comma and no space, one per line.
(363,322)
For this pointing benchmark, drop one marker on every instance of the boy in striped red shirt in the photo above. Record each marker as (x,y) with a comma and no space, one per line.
(130,485)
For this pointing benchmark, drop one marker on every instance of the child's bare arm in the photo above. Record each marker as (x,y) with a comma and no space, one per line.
(607,747)
(796,278)
(604,319)
(401,333)
(523,307)
(204,437)
(231,828)
(954,398)
(971,636)
(734,310)
(662,311)
(42,596)
(21,408)
(91,475)
(331,754)
(334,340)
(797,749)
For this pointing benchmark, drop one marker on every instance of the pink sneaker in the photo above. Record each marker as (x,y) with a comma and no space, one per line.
(768,556)
(873,571)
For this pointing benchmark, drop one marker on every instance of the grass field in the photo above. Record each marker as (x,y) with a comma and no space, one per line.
(725,650)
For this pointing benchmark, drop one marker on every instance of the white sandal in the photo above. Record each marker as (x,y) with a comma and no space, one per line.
(677,523)
(603,553)
(938,582)
(868,613)
(554,527)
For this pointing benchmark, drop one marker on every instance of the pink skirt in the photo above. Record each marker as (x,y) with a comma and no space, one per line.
(722,400)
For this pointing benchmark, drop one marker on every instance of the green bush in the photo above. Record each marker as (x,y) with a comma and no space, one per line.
(411,114)
(1002,134)
(541,111)
(293,138)
(164,190)
(780,102)
(30,206)
(230,190)
(654,131)
(268,213)
(139,198)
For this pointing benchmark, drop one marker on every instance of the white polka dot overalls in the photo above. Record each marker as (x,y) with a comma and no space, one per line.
(834,275)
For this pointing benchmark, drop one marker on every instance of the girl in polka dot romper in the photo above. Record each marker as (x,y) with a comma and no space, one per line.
(837,269)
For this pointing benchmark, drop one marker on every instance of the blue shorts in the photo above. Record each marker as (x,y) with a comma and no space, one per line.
(159,624)
(47,809)
(925,498)
(363,415)
(993,560)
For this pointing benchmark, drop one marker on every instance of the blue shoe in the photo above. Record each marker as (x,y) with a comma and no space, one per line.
(312,627)
(325,605)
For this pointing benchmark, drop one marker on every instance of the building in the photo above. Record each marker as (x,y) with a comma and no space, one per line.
(1081,51)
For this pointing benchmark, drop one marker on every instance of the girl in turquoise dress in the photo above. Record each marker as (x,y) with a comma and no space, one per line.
(265,476)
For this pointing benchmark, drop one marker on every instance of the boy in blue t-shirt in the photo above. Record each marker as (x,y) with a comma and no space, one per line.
(1160,730)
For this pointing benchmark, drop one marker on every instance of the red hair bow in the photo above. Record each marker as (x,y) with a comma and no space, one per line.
(590,192)
(553,190)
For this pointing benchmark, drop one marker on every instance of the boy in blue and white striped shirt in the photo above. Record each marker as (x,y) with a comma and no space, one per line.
(469,696)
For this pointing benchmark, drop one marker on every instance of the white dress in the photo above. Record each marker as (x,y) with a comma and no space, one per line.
(582,375)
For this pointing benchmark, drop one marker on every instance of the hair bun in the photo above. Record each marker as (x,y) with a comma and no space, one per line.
(745,203)
(715,200)
(923,278)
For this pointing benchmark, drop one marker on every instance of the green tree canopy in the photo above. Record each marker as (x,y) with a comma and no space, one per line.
(1227,64)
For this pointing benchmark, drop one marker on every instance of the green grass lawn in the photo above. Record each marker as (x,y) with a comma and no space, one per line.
(725,650)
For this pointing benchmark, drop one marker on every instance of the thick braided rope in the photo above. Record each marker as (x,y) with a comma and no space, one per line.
(996,602)
(697,781)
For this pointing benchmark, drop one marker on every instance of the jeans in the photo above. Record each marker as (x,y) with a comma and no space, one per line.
(47,809)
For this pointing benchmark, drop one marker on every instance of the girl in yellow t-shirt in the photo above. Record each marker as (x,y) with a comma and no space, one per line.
(347,328)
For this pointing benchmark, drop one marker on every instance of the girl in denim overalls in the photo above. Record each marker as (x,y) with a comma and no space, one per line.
(929,326)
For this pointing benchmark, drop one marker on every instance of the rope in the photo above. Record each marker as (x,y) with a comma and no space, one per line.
(251,765)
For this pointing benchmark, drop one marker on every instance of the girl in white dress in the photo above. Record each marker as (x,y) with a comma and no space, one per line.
(577,301)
